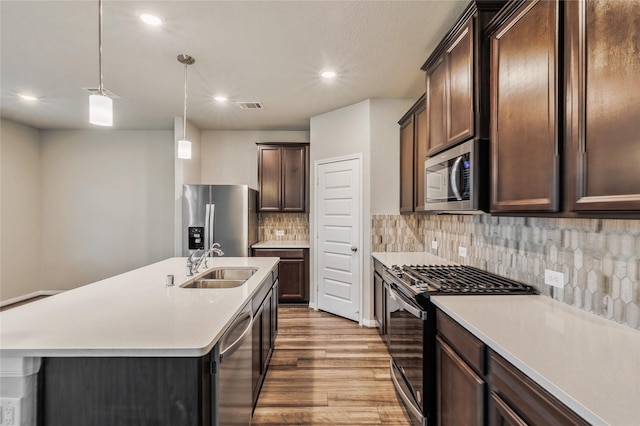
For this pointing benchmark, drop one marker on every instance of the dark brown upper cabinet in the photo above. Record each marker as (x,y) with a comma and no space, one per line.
(283,175)
(413,152)
(457,81)
(524,108)
(602,72)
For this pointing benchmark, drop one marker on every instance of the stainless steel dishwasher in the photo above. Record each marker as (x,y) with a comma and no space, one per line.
(234,372)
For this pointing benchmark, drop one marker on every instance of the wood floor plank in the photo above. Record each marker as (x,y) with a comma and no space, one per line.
(327,370)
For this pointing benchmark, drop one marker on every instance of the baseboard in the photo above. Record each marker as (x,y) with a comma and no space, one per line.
(369,323)
(29,296)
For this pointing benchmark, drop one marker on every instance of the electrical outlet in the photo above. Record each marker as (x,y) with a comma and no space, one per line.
(462,251)
(279,232)
(554,278)
(434,245)
(10,411)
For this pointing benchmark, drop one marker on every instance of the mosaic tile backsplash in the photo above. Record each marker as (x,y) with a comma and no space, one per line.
(598,257)
(294,225)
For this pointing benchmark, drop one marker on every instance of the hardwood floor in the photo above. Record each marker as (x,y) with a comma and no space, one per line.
(327,370)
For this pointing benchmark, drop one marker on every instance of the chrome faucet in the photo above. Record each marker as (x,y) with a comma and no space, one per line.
(215,248)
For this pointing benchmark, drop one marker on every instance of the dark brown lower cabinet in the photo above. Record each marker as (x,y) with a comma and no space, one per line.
(460,390)
(265,320)
(526,401)
(293,272)
(126,391)
(501,414)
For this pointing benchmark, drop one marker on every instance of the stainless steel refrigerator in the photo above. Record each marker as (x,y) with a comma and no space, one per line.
(225,214)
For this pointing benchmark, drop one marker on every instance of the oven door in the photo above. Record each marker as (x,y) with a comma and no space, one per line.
(406,330)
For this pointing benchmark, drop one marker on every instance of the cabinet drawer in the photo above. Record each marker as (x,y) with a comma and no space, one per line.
(378,267)
(284,254)
(532,403)
(468,346)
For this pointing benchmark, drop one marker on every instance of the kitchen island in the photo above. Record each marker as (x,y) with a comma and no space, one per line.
(129,343)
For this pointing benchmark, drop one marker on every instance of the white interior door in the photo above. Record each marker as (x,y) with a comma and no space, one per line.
(338,257)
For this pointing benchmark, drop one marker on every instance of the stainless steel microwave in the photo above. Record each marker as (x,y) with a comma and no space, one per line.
(454,179)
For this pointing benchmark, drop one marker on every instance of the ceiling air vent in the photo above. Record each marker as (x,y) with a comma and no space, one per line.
(96,90)
(249,105)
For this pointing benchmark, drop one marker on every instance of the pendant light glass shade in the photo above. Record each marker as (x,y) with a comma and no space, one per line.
(184,149)
(101,110)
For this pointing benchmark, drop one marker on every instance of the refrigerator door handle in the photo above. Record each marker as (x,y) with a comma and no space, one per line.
(209,226)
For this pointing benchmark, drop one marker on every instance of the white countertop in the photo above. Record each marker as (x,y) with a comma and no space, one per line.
(132,314)
(589,363)
(280,244)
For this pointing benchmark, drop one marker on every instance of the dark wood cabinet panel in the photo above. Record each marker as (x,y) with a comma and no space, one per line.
(459,61)
(500,414)
(420,154)
(406,165)
(603,102)
(294,179)
(265,319)
(465,344)
(532,404)
(293,272)
(460,390)
(436,106)
(292,282)
(270,178)
(283,175)
(524,110)
(126,391)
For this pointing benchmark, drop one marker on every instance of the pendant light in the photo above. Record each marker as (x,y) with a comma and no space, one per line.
(100,105)
(184,145)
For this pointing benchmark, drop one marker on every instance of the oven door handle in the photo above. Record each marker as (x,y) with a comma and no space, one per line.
(406,305)
(407,401)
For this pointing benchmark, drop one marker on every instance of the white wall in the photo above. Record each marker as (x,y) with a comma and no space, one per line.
(187,171)
(371,128)
(385,154)
(107,204)
(334,134)
(230,157)
(20,194)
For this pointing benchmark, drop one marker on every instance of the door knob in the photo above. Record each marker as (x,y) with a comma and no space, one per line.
(354,248)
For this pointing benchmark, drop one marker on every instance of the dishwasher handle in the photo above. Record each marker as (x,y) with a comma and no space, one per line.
(247,315)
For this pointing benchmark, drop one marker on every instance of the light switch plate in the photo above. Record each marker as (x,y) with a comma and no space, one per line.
(279,232)
(462,251)
(434,245)
(554,278)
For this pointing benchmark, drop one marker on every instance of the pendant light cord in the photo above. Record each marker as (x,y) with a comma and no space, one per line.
(101,89)
(184,116)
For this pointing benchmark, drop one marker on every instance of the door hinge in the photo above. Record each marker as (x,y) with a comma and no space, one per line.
(213,367)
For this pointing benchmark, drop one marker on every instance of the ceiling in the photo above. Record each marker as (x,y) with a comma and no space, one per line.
(266,51)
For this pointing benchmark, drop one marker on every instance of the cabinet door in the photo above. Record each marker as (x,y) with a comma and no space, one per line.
(378,302)
(603,125)
(524,137)
(265,342)
(294,160)
(500,414)
(420,154)
(436,106)
(291,281)
(406,166)
(270,178)
(460,390)
(459,62)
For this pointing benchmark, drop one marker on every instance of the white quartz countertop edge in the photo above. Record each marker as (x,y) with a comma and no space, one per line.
(132,314)
(582,400)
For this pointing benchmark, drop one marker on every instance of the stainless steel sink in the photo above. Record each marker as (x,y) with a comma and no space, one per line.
(222,278)
(201,283)
(229,274)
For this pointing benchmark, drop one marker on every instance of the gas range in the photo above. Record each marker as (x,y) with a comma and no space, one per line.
(452,279)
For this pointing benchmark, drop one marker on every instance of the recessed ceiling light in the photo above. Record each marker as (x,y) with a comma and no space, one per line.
(28,97)
(328,74)
(220,98)
(150,19)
